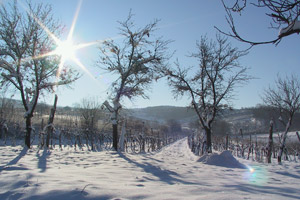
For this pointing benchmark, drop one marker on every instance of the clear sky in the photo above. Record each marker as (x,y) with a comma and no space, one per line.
(183,21)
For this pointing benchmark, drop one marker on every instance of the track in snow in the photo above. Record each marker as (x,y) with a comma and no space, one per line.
(171,173)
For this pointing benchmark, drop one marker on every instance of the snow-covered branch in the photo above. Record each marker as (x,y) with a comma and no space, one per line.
(291,29)
(281,12)
(9,78)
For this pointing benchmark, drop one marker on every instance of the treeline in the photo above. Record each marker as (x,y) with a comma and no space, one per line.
(165,113)
(239,131)
(267,113)
(85,126)
(249,147)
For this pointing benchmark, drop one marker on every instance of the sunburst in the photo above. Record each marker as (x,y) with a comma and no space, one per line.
(66,49)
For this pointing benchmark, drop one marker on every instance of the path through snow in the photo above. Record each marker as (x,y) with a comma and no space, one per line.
(172,173)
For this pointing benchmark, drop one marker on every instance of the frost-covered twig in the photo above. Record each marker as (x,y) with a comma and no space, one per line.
(84,188)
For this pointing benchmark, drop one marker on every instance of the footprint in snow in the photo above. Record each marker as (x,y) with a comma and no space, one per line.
(140,185)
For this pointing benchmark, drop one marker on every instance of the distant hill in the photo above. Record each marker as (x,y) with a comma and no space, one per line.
(249,119)
(186,114)
(238,118)
(15,102)
(164,113)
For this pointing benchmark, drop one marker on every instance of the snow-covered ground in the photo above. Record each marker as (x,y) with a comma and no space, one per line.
(172,173)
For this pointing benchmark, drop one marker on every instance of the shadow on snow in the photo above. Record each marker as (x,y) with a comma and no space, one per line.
(42,159)
(285,192)
(15,161)
(164,175)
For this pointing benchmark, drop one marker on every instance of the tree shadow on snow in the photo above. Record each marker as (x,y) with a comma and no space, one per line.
(54,194)
(288,174)
(285,192)
(42,159)
(18,187)
(150,158)
(164,175)
(15,161)
(74,194)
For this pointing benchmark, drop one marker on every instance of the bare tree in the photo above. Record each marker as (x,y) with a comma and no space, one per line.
(133,61)
(7,106)
(213,83)
(285,96)
(22,42)
(283,16)
(270,142)
(7,111)
(90,111)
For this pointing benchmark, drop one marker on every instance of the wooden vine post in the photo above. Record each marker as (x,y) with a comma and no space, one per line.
(49,127)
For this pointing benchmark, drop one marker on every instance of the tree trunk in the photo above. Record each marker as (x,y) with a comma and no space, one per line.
(208,140)
(42,134)
(298,136)
(60,145)
(114,119)
(250,147)
(270,144)
(28,131)
(242,141)
(50,122)
(1,125)
(227,142)
(115,136)
(143,138)
(282,146)
(122,137)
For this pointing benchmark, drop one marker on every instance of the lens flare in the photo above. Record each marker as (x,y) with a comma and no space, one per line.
(251,170)
(256,175)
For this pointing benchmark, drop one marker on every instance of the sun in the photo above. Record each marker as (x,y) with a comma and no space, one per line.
(66,49)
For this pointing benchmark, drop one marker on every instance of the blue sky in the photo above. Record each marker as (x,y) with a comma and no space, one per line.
(183,21)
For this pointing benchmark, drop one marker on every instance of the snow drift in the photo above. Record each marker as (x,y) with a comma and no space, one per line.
(225,159)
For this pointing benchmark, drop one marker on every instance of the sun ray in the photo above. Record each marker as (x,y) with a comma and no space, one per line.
(64,48)
(83,45)
(70,35)
(51,53)
(83,67)
(55,39)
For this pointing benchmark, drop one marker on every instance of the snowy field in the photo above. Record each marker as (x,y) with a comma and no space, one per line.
(291,137)
(172,173)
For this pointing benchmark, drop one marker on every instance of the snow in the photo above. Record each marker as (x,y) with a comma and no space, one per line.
(225,159)
(292,27)
(171,173)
